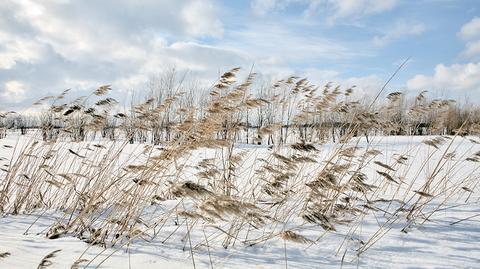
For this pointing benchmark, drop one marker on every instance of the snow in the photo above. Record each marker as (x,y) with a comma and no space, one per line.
(448,239)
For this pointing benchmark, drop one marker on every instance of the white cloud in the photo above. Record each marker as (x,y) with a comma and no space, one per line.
(200,17)
(76,44)
(192,56)
(16,45)
(281,45)
(320,76)
(400,29)
(471,30)
(18,49)
(472,50)
(457,77)
(333,9)
(349,9)
(368,85)
(111,29)
(471,33)
(14,90)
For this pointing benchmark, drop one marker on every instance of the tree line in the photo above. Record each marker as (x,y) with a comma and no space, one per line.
(254,112)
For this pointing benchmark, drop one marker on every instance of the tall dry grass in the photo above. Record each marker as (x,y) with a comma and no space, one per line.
(112,194)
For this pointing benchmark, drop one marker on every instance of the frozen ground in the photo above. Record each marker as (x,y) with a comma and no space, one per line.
(449,238)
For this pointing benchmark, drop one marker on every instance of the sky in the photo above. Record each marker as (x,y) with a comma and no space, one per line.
(47,46)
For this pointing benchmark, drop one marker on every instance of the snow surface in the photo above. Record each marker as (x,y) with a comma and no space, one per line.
(438,243)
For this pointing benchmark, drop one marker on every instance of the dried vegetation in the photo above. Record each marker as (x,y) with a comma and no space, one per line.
(234,197)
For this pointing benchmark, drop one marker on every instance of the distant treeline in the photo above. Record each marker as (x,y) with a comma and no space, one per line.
(286,111)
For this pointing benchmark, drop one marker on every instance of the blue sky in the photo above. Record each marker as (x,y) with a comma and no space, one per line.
(50,45)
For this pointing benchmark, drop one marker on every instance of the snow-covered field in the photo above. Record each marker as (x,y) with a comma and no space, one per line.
(442,232)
